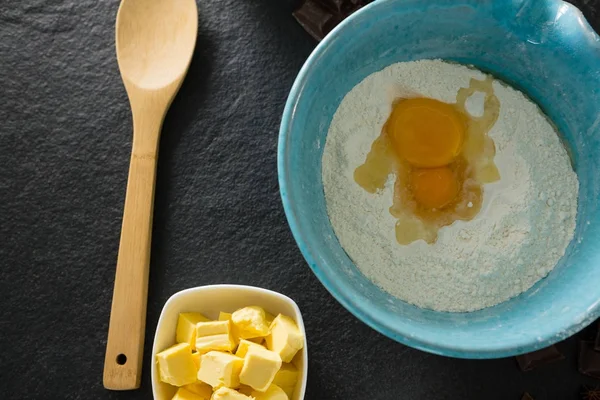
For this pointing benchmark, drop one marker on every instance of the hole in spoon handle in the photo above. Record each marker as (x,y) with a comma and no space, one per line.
(121,359)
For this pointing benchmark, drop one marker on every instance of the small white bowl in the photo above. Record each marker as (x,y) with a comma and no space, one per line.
(210,300)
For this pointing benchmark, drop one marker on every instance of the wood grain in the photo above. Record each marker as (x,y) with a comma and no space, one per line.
(155,40)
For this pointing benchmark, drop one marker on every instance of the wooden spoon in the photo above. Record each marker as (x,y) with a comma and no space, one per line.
(155,41)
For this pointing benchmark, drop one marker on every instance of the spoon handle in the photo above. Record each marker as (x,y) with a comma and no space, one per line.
(125,344)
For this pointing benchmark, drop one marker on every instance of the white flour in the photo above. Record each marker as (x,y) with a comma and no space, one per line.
(526,222)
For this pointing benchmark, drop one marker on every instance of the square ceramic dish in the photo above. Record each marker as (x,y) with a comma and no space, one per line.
(210,300)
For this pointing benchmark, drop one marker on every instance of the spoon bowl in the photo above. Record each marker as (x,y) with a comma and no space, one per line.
(155,40)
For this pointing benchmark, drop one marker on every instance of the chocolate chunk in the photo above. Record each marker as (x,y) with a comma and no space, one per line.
(530,361)
(597,344)
(315,19)
(319,17)
(590,393)
(526,396)
(589,359)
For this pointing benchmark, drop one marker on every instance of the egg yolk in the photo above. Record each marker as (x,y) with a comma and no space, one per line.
(439,155)
(427,133)
(434,187)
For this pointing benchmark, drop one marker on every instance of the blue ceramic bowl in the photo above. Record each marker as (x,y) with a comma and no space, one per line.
(544,48)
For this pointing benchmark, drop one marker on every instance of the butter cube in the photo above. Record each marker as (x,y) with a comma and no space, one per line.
(220,369)
(176,365)
(183,394)
(260,367)
(285,338)
(224,316)
(274,392)
(244,346)
(286,376)
(201,389)
(196,358)
(229,394)
(250,322)
(186,327)
(214,335)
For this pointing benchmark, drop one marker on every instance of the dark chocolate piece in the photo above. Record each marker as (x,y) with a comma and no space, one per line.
(597,344)
(530,361)
(315,19)
(319,17)
(526,396)
(589,359)
(590,393)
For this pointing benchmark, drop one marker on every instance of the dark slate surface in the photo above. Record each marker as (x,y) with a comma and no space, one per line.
(65,138)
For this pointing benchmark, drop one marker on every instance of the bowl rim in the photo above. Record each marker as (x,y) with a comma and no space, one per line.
(182,293)
(339,291)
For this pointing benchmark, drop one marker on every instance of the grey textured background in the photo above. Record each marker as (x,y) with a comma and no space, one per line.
(65,139)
